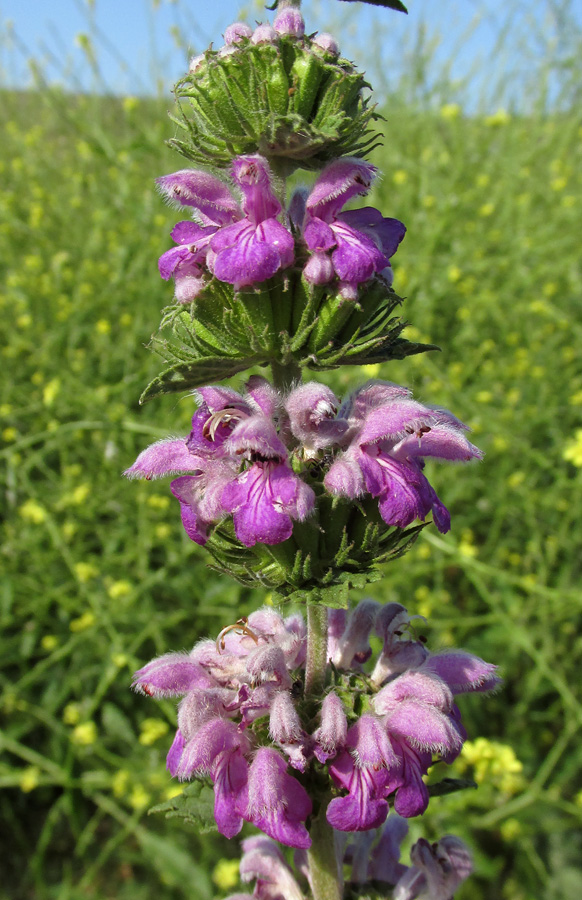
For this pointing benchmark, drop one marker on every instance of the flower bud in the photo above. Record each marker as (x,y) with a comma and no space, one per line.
(289,22)
(237,32)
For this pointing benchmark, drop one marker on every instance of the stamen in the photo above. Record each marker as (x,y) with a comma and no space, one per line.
(240,627)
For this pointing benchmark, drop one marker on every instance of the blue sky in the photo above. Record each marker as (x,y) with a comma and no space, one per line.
(138,53)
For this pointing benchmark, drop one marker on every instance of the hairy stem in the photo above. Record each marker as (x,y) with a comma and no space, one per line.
(315,666)
(324,872)
(284,377)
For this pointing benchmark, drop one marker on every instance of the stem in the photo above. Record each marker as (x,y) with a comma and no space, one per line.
(324,872)
(285,376)
(316,665)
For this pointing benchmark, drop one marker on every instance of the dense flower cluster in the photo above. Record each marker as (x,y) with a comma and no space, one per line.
(237,458)
(436,872)
(252,676)
(244,243)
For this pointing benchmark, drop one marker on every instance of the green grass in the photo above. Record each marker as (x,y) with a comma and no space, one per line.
(99,576)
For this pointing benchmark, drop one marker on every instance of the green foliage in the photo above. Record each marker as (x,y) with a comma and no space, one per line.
(195,805)
(287,322)
(98,576)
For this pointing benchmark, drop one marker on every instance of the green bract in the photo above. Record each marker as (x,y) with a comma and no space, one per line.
(296,105)
(286,321)
(341,546)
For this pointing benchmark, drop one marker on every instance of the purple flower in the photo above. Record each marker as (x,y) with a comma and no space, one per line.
(263,861)
(256,247)
(385,456)
(312,409)
(265,497)
(437,870)
(401,650)
(199,492)
(352,245)
(241,245)
(384,862)
(217,749)
(353,647)
(363,769)
(276,802)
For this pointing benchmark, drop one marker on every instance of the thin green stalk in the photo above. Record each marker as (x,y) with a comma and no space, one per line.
(325,875)
(326,879)
(315,666)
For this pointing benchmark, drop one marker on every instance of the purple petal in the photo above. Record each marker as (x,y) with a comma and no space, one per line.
(356,257)
(214,737)
(263,395)
(236,32)
(164,458)
(171,259)
(253,176)
(277,803)
(386,233)
(256,434)
(331,735)
(424,727)
(441,442)
(344,478)
(319,269)
(276,236)
(413,685)
(289,22)
(175,754)
(262,500)
(318,235)
(384,864)
(339,182)
(463,672)
(169,676)
(230,775)
(249,262)
(398,419)
(353,648)
(296,208)
(411,791)
(204,192)
(359,810)
(312,410)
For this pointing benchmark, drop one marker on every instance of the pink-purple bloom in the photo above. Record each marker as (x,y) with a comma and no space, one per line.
(240,243)
(250,674)
(390,436)
(437,870)
(247,456)
(353,245)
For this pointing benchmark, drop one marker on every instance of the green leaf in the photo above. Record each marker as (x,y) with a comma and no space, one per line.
(451,786)
(190,375)
(195,805)
(388,4)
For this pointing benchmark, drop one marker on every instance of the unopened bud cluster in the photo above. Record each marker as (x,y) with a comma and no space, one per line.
(275,90)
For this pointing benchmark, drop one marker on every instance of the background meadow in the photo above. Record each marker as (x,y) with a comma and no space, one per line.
(98,574)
